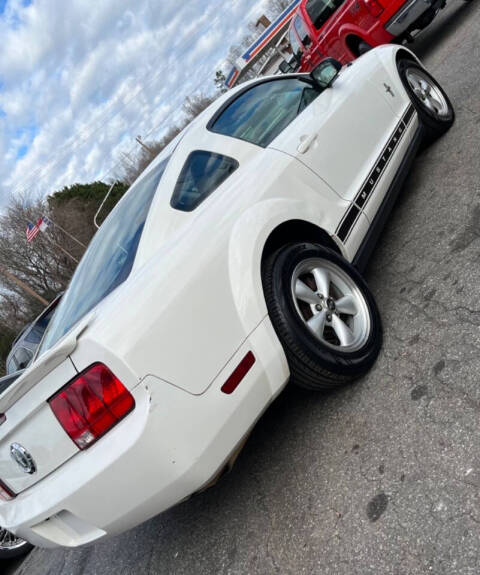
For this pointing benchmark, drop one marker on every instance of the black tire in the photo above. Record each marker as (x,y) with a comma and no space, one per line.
(15,548)
(363,48)
(313,364)
(434,125)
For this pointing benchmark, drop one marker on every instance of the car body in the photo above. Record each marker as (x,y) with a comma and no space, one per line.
(25,344)
(168,306)
(342,29)
(11,545)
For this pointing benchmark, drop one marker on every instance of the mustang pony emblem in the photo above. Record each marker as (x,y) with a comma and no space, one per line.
(388,90)
(21,456)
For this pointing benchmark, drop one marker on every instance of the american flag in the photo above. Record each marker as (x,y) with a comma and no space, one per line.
(31,231)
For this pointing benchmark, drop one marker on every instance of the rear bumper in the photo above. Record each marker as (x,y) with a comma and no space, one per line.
(169,447)
(407,16)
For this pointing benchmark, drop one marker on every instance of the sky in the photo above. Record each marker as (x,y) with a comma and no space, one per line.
(80,79)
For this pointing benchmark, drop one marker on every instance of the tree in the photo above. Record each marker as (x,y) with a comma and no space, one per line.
(47,263)
(132,167)
(220,82)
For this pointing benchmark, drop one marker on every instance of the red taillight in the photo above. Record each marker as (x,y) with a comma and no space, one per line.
(5,493)
(91,404)
(239,373)
(374,7)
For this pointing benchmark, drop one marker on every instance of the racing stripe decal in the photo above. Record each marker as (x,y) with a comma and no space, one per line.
(352,214)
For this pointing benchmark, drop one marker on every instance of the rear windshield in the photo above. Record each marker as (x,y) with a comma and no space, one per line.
(109,257)
(320,11)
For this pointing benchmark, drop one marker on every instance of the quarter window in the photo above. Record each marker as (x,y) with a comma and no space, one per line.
(202,173)
(263,111)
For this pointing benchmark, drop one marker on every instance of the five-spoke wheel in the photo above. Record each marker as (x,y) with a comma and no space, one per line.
(330,304)
(427,91)
(323,313)
(433,106)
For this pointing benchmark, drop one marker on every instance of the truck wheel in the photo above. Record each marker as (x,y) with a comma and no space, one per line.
(432,103)
(323,313)
(363,48)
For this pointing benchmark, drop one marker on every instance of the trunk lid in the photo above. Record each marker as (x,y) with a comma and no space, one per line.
(31,435)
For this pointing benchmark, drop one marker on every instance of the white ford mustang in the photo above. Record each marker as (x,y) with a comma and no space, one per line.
(229,267)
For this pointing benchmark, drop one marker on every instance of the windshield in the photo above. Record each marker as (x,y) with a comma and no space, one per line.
(297,49)
(109,257)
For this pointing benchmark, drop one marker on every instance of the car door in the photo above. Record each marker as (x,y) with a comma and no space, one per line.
(342,133)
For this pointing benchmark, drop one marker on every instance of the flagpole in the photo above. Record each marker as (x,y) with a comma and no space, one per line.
(67,233)
(24,286)
(65,252)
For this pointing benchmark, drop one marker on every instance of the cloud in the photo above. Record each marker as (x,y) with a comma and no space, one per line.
(79,80)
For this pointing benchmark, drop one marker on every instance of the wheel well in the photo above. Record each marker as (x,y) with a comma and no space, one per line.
(353,42)
(297,231)
(404,55)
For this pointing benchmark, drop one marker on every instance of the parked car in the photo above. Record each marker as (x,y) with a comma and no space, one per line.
(230,267)
(23,349)
(27,341)
(11,545)
(346,29)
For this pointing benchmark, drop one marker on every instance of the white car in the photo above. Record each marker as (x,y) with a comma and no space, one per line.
(230,267)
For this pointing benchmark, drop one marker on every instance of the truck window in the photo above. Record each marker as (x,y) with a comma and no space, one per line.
(302,31)
(319,11)
(297,48)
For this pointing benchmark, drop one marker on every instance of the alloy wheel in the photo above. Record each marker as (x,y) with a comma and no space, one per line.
(428,92)
(331,305)
(9,541)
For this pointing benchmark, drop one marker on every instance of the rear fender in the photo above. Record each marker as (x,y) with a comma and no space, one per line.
(246,245)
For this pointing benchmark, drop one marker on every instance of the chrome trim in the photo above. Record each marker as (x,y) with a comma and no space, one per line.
(407,15)
(23,458)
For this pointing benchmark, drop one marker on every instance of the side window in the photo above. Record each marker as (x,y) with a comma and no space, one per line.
(263,111)
(297,48)
(35,334)
(320,11)
(202,173)
(22,358)
(11,367)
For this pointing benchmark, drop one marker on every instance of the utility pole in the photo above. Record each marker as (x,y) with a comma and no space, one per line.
(24,286)
(149,150)
(65,252)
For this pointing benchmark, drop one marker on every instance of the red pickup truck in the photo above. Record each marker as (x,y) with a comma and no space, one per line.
(345,29)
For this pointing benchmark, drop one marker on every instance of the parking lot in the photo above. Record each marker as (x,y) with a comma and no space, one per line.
(382,477)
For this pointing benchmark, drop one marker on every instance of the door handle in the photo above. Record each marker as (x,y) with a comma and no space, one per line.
(305,143)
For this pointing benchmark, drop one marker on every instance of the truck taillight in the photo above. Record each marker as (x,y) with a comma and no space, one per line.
(91,404)
(374,7)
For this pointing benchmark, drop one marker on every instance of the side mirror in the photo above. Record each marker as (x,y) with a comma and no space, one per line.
(325,73)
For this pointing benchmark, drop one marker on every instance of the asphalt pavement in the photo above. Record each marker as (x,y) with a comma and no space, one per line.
(382,477)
